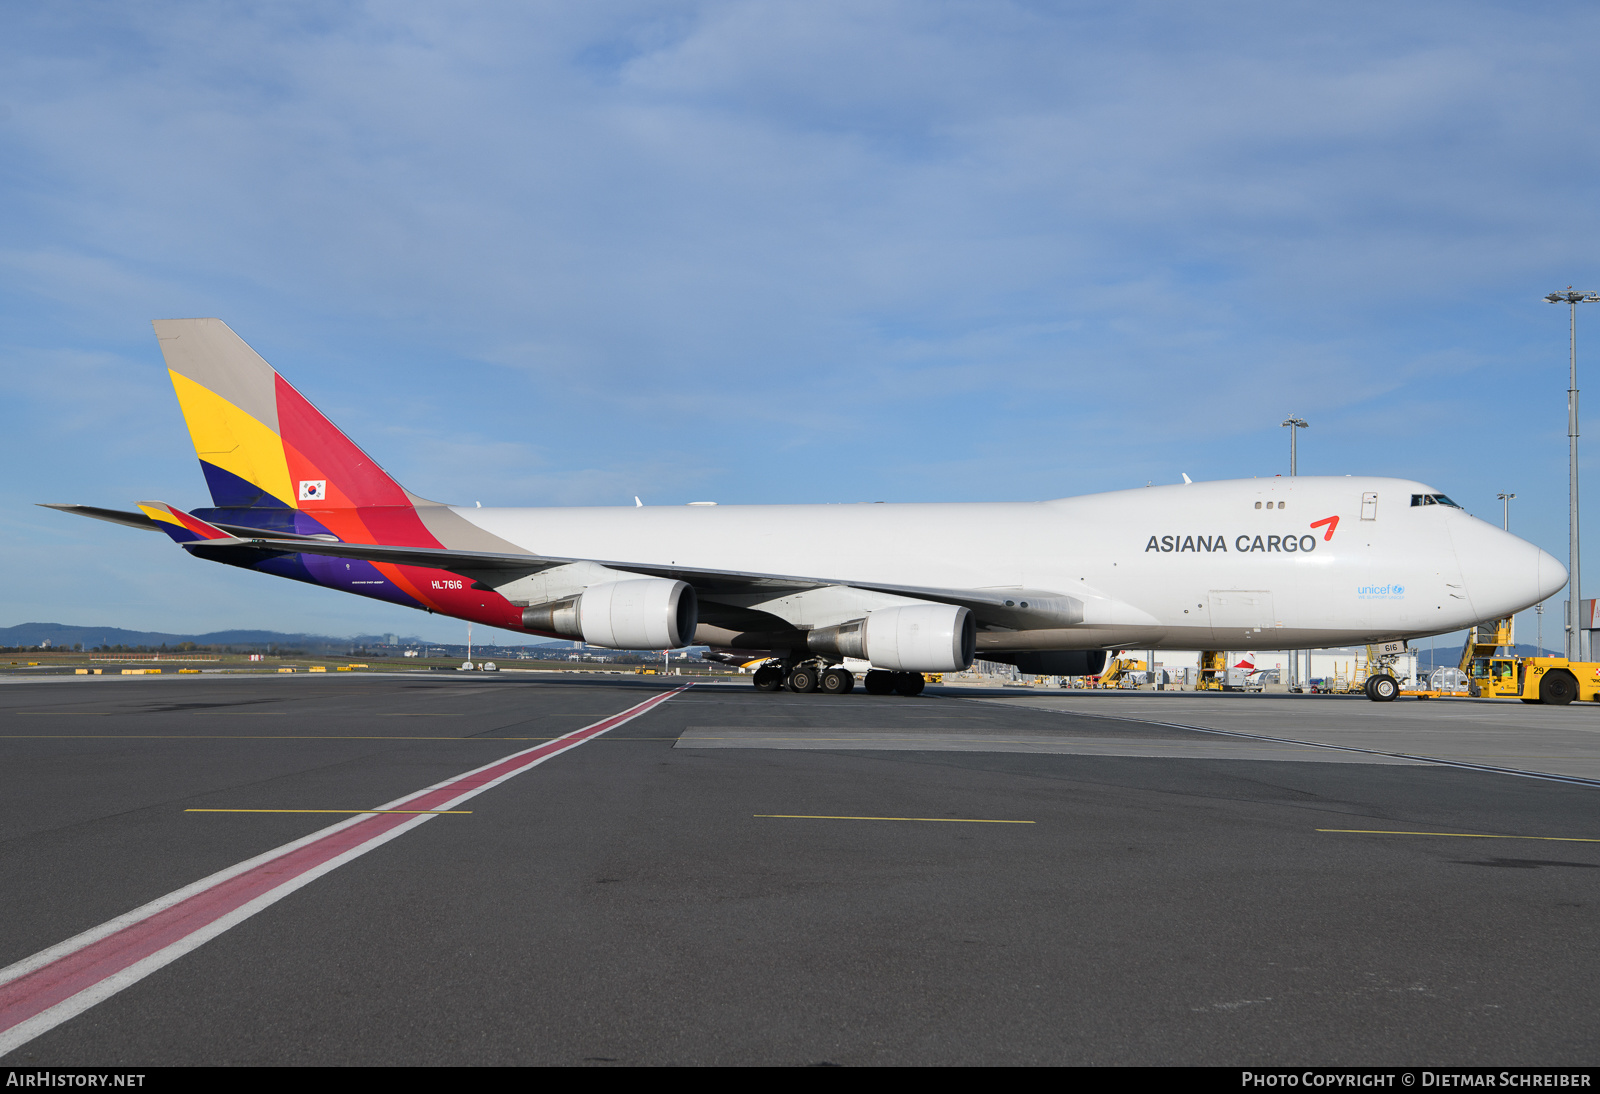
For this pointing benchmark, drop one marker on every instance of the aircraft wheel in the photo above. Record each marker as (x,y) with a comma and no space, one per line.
(1383,688)
(768,678)
(909,683)
(836,682)
(803,678)
(849,681)
(879,682)
(1558,688)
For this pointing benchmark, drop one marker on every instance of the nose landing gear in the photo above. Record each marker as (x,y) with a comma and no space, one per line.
(1382,688)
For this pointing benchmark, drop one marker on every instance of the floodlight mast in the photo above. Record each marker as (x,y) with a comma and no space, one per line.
(1575,650)
(1505,517)
(1295,426)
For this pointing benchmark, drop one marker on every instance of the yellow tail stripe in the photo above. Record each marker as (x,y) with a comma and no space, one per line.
(231,439)
(162,515)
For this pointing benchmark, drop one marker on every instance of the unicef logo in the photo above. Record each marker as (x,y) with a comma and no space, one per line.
(1399,590)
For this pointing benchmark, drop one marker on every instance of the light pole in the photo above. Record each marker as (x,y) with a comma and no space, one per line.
(1295,425)
(1575,651)
(1505,524)
(1505,517)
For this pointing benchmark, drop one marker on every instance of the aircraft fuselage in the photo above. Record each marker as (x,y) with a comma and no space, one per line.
(1289,562)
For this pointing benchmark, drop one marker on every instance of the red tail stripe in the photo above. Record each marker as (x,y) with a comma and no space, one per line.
(336,458)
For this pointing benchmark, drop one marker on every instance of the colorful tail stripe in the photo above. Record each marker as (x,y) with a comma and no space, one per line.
(182,527)
(272,461)
(260,442)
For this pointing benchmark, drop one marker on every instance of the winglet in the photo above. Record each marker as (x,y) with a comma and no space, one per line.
(182,527)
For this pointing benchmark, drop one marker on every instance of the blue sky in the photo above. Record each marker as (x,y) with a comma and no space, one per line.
(534,254)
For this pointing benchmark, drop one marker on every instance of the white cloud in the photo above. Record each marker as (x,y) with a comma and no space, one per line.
(778,251)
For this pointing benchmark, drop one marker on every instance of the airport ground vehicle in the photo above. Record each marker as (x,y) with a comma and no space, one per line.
(1490,674)
(1116,669)
(1550,680)
(1536,679)
(1532,679)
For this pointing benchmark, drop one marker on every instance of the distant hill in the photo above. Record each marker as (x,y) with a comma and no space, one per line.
(1450,656)
(62,634)
(65,635)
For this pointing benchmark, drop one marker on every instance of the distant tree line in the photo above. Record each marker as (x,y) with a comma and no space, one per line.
(181,647)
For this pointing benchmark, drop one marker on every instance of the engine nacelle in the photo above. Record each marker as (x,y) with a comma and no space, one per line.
(913,638)
(650,613)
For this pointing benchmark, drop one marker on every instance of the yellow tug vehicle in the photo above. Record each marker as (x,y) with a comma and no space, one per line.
(1535,679)
(1492,675)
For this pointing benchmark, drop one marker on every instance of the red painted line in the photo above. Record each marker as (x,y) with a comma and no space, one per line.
(106,959)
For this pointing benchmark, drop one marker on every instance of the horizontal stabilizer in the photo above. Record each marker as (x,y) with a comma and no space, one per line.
(182,527)
(115,516)
(140,520)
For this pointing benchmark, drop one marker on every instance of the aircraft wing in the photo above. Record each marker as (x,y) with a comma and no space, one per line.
(1009,608)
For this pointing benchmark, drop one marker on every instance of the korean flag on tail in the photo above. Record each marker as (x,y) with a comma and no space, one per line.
(313,489)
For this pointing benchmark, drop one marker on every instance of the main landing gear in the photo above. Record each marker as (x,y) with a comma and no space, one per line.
(806,678)
(882,682)
(812,678)
(809,677)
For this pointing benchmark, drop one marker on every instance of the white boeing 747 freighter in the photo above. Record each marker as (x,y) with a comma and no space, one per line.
(1049,586)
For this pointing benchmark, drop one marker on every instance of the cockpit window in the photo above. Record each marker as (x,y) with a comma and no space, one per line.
(1432,499)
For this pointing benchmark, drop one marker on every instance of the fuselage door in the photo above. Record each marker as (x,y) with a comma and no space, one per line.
(1240,610)
(1369,506)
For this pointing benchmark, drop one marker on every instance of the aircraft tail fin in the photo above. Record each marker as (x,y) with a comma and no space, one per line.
(261,444)
(181,526)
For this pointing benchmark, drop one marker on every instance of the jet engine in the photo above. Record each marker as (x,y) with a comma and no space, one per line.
(913,638)
(650,613)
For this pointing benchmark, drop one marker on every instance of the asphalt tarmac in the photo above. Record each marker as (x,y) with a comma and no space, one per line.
(710,883)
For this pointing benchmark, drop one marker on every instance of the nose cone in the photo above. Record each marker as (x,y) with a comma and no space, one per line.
(1504,574)
(1552,575)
